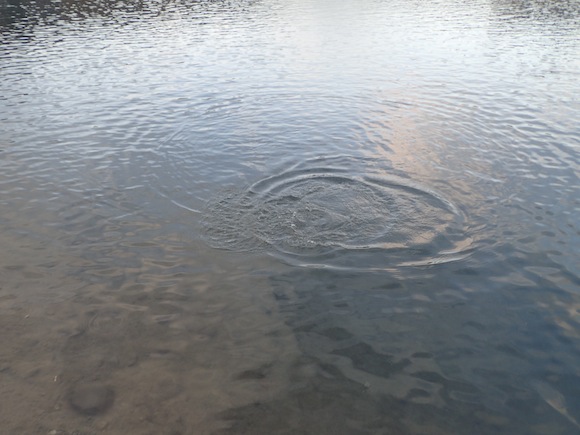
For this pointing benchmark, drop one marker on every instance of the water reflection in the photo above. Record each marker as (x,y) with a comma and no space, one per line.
(357,143)
(562,13)
(29,13)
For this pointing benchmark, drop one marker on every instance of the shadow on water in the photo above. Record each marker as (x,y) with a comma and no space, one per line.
(442,350)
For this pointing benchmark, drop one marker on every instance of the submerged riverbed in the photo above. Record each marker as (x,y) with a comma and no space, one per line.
(255,217)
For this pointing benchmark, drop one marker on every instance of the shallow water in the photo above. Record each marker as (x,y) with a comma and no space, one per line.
(290,217)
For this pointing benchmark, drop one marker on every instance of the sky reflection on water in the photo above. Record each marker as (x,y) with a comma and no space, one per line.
(123,124)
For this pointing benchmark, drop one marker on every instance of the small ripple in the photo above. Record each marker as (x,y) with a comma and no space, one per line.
(326,217)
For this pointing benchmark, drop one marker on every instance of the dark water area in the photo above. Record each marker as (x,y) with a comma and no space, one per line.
(290,217)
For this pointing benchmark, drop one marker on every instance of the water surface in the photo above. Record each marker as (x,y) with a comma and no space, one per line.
(290,217)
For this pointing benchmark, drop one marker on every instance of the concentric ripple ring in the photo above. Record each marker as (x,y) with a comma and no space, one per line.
(330,218)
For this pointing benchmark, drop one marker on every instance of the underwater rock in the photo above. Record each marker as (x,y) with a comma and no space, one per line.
(91,398)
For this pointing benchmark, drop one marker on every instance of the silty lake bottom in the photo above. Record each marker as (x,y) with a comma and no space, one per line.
(290,217)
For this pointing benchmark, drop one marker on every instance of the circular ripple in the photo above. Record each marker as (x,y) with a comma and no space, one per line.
(322,218)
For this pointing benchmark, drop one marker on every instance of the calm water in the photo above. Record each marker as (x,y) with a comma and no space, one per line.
(290,217)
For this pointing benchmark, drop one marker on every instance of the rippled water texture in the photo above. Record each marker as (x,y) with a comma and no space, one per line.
(329,217)
(283,217)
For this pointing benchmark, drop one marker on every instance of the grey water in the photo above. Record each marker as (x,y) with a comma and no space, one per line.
(290,217)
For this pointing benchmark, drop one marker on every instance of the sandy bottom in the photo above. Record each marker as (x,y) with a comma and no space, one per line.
(175,346)
(148,357)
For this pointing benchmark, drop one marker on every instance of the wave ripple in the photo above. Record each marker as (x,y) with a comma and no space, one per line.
(327,217)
